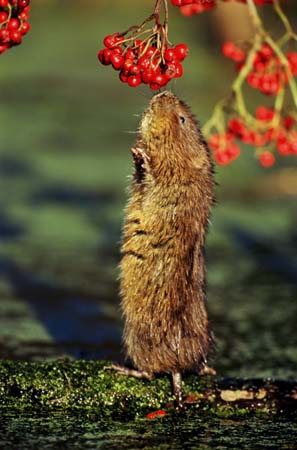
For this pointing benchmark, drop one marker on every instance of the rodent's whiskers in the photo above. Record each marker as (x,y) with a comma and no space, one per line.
(130,132)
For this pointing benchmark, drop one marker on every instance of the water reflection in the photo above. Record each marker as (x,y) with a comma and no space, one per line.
(177,433)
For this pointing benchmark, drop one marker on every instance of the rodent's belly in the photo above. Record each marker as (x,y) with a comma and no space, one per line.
(163,304)
(150,254)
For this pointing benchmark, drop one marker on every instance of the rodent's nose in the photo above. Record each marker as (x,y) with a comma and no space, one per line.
(164,99)
(163,94)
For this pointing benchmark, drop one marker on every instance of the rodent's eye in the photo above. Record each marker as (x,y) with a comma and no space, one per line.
(182,119)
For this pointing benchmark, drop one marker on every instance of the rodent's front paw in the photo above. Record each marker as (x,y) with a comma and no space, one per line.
(140,157)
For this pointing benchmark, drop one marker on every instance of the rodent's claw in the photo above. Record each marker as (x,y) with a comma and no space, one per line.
(139,154)
(122,370)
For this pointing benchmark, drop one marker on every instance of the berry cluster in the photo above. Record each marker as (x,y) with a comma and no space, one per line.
(224,148)
(268,74)
(282,134)
(269,71)
(191,7)
(14,23)
(284,137)
(257,2)
(139,61)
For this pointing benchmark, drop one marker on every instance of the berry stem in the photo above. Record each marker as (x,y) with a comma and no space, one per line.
(254,15)
(268,39)
(239,80)
(156,12)
(217,118)
(166,16)
(278,51)
(290,34)
(278,106)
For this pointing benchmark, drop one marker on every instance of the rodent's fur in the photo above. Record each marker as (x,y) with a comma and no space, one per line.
(163,273)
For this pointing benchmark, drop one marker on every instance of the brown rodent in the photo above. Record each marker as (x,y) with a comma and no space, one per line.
(163,264)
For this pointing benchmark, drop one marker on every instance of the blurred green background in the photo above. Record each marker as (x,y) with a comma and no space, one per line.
(67,125)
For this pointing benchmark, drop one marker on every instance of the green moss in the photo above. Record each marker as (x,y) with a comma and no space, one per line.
(88,387)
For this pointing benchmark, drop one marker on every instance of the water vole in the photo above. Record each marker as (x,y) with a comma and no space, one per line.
(163,264)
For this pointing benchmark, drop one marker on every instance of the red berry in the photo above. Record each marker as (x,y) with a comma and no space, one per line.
(263,113)
(146,75)
(13,24)
(25,28)
(127,64)
(129,54)
(3,48)
(150,51)
(155,86)
(209,5)
(174,70)
(177,2)
(288,122)
(284,148)
(134,69)
(104,56)
(3,17)
(292,58)
(266,159)
(134,80)
(112,40)
(123,77)
(233,150)
(160,79)
(15,36)
(266,51)
(116,60)
(237,127)
(144,63)
(181,51)
(4,36)
(23,3)
(228,48)
(3,3)
(253,80)
(117,50)
(238,55)
(169,54)
(222,157)
(24,15)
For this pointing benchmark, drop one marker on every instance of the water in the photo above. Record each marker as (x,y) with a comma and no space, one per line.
(177,433)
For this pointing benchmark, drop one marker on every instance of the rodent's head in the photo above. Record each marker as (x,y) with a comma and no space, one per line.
(169,130)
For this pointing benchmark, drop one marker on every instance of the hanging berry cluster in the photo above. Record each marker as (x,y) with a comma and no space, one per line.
(270,67)
(14,15)
(191,7)
(142,54)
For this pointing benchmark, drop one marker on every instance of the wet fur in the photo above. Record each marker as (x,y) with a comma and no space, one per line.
(163,264)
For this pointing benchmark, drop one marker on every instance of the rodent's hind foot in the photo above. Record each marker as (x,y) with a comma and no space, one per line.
(177,388)
(122,370)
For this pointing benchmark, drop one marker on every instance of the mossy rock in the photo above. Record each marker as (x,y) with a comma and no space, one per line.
(88,386)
